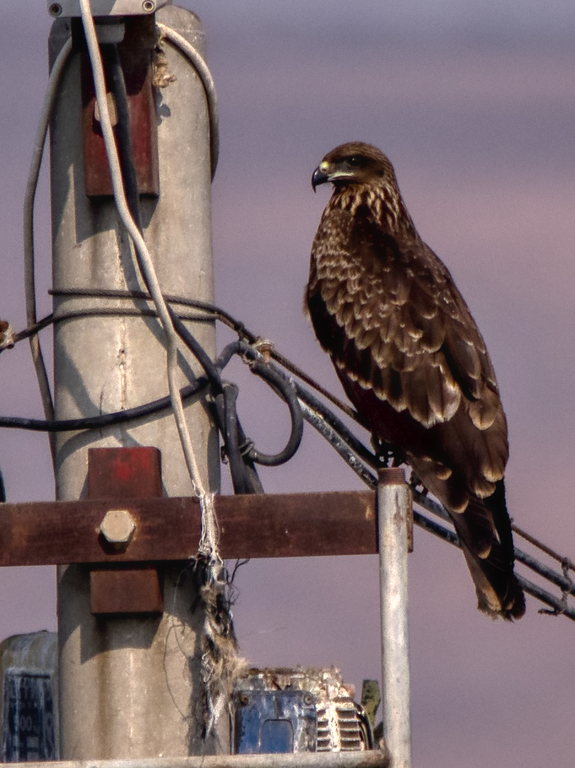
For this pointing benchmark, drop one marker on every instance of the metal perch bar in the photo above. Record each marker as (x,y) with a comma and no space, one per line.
(375,758)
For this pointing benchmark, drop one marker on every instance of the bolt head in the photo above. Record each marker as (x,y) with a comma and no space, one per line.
(118,527)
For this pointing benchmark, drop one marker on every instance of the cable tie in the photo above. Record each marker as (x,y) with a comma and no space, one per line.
(246,447)
(265,347)
(566,566)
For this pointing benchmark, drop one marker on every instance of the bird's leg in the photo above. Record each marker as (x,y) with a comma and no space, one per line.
(385,453)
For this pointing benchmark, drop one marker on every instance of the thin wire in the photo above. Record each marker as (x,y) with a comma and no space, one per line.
(28,224)
(543,547)
(208,83)
(348,437)
(218,312)
(75,314)
(334,439)
(560,608)
(143,256)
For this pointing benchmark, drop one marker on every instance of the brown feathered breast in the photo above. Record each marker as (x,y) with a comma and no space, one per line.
(412,359)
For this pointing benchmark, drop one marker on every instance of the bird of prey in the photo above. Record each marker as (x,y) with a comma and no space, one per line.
(412,360)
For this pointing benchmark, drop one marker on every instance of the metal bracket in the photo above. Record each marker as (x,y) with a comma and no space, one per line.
(106,7)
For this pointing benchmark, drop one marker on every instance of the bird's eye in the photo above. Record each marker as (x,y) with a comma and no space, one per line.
(354,161)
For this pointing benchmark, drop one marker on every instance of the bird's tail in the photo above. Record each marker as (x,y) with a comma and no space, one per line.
(484,530)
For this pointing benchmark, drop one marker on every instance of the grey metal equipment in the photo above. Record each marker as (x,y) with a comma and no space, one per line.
(297,710)
(29,698)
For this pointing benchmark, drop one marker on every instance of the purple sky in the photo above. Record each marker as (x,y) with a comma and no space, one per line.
(476,109)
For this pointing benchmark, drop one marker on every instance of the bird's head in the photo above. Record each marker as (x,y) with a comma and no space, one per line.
(354,163)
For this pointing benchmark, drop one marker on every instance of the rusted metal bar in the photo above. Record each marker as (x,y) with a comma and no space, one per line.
(270,525)
(375,758)
(394,505)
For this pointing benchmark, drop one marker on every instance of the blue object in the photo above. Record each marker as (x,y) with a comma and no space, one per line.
(274,721)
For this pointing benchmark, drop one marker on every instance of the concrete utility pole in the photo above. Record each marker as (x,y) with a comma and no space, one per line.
(128,684)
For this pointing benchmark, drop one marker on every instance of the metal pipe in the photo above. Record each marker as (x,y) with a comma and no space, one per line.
(374,758)
(394,502)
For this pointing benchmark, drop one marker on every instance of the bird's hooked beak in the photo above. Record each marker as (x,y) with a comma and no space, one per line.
(334,172)
(320,175)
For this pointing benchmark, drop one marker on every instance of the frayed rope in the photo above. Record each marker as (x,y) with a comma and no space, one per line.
(221,664)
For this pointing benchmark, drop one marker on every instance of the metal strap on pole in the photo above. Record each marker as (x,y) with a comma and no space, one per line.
(394,504)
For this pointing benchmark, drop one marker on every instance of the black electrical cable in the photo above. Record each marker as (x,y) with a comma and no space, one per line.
(118,293)
(349,447)
(344,442)
(231,349)
(243,448)
(283,386)
(340,446)
(243,474)
(251,477)
(240,481)
(117,85)
(350,441)
(521,556)
(61,316)
(198,351)
(337,424)
(286,390)
(104,420)
(330,433)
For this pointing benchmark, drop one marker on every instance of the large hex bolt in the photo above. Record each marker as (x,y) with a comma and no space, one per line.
(118,528)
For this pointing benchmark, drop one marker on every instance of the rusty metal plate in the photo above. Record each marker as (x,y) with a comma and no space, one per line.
(122,590)
(124,473)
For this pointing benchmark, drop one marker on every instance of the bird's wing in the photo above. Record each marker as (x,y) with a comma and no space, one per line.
(393,319)
(395,324)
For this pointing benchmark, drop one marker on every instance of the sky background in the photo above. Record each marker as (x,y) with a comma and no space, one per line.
(475,106)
